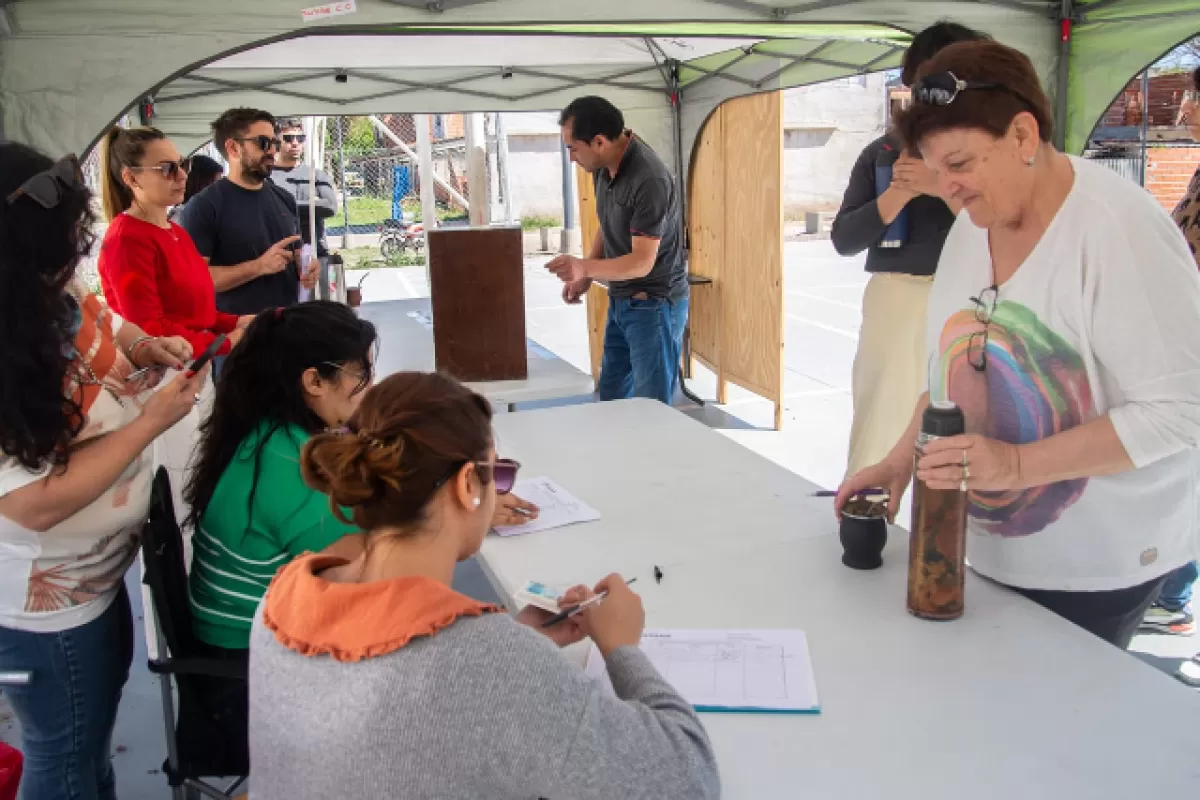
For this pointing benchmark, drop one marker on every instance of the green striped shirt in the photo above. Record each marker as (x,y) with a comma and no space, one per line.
(238,549)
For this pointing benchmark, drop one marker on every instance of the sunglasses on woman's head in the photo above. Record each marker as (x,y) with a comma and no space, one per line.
(295,138)
(943,88)
(264,143)
(46,188)
(168,169)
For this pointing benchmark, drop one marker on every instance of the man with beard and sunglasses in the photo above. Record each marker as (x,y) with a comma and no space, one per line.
(294,178)
(245,226)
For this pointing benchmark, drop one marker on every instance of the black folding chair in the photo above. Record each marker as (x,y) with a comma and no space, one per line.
(208,737)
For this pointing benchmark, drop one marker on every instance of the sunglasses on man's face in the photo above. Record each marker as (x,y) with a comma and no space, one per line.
(47,188)
(295,138)
(168,169)
(265,143)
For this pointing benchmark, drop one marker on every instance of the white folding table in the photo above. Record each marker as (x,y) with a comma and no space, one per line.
(1008,702)
(406,343)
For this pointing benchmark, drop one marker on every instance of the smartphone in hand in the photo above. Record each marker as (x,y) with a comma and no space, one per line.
(207,355)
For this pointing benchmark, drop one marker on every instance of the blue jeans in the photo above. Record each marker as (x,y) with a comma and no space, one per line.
(68,709)
(642,344)
(1177,591)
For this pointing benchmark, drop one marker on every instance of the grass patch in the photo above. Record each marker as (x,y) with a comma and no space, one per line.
(368,210)
(535,222)
(360,258)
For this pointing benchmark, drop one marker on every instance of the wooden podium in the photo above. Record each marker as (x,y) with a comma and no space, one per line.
(477,283)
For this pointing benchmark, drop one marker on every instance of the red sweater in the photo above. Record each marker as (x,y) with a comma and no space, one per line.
(156,279)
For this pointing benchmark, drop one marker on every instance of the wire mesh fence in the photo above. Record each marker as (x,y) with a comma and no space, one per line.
(374,161)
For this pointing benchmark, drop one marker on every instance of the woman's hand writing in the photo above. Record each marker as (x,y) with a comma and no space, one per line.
(512,510)
(616,621)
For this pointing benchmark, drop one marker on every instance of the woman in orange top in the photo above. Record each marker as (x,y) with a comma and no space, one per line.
(150,270)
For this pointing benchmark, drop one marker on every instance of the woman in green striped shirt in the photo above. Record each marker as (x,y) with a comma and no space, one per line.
(297,372)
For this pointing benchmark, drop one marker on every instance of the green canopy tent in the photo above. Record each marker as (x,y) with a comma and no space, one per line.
(68,68)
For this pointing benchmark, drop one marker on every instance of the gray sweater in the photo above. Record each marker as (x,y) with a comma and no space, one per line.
(486,708)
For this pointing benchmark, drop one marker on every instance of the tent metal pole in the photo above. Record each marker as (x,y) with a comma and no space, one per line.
(806,58)
(260,88)
(268,88)
(891,51)
(1145,119)
(1066,21)
(438,6)
(720,72)
(681,183)
(502,166)
(744,5)
(342,184)
(568,198)
(1142,17)
(449,86)
(602,81)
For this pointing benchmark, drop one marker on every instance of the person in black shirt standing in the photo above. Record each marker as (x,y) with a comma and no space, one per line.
(637,252)
(245,226)
(890,364)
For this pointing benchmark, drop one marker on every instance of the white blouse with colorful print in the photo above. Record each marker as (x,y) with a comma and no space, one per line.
(67,576)
(1102,318)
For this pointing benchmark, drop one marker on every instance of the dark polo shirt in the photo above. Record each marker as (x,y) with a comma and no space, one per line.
(641,201)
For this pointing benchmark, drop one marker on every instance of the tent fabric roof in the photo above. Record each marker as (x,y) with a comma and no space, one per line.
(68,68)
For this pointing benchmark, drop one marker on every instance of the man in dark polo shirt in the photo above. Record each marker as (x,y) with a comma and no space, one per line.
(244,225)
(637,252)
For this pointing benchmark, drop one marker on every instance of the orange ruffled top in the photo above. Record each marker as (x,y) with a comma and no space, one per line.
(355,621)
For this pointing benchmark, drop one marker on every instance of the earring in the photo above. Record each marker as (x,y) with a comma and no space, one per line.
(1029,162)
(477,502)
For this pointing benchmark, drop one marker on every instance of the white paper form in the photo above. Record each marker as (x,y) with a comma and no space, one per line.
(731,670)
(557,507)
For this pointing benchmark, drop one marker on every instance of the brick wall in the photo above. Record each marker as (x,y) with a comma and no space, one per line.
(1168,171)
(1167,93)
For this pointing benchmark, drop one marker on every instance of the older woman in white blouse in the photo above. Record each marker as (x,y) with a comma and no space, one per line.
(1065,321)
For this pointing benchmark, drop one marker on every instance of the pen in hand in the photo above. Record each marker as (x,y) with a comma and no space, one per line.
(566,613)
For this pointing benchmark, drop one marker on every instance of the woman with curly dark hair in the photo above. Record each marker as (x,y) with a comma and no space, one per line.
(70,509)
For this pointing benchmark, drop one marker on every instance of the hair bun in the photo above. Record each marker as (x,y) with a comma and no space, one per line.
(352,468)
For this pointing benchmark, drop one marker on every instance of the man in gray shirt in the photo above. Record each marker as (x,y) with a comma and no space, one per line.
(638,252)
(292,175)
